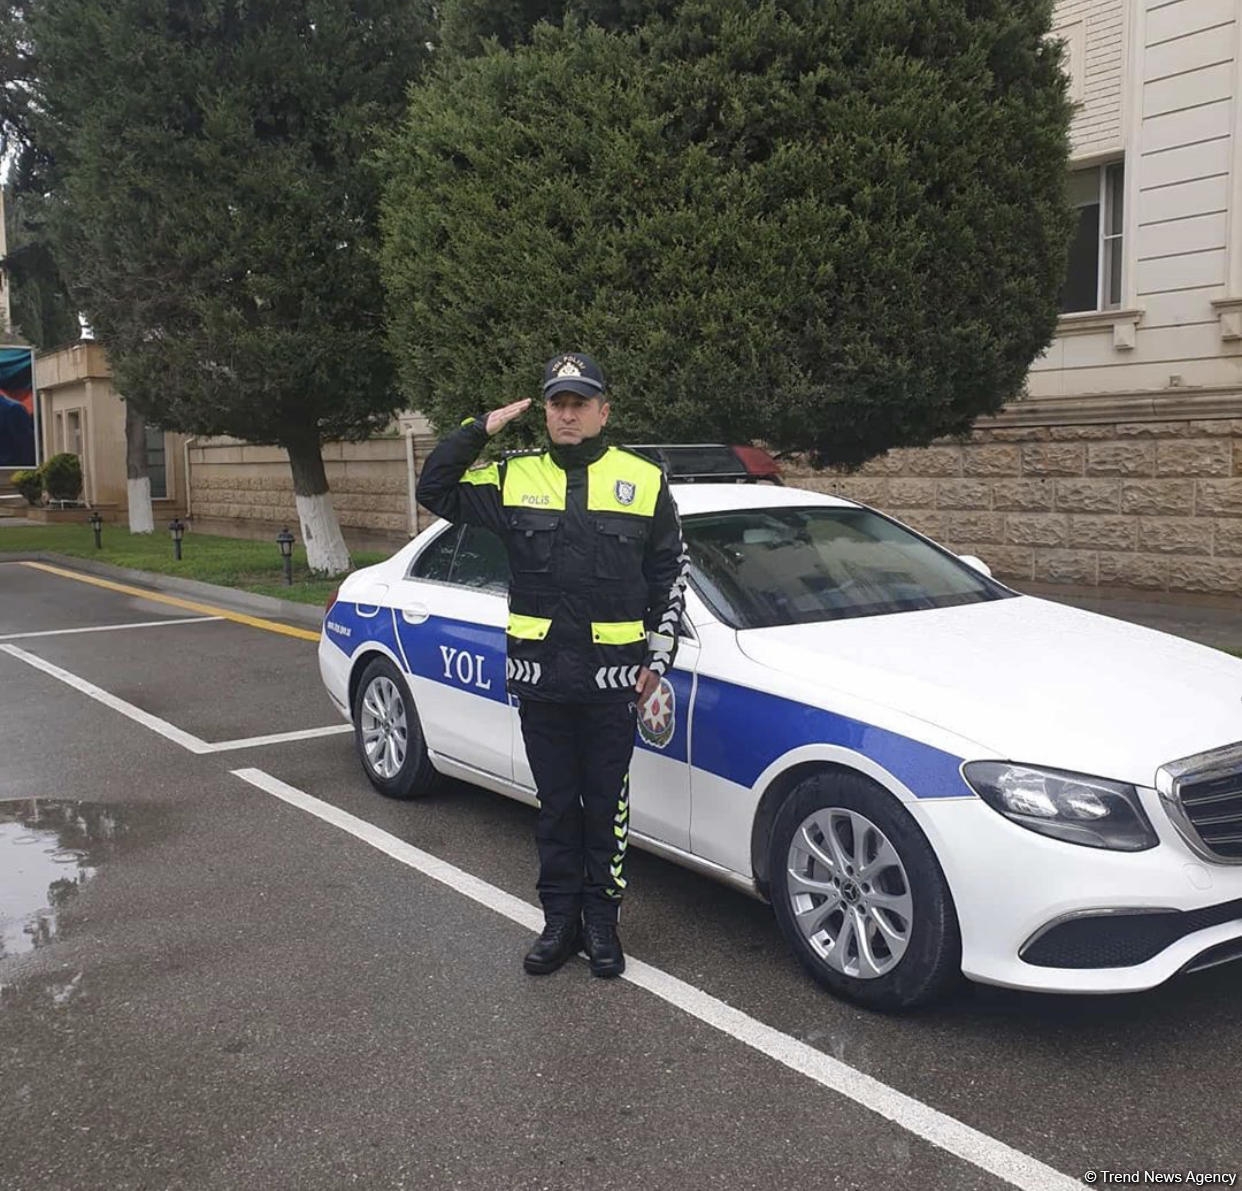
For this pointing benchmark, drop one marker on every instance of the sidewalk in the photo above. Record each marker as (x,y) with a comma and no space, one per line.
(1210,620)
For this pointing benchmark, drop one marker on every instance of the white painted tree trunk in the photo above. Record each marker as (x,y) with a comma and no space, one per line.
(141,519)
(326,552)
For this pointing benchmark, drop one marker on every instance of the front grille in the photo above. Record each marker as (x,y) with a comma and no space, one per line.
(1120,939)
(1203,795)
(1214,808)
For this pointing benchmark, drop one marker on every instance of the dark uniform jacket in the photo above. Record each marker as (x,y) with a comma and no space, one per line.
(596,560)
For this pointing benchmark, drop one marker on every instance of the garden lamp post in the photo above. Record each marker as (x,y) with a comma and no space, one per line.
(284,540)
(96,522)
(177,528)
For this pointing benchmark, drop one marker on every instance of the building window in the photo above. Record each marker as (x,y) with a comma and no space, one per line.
(1093,279)
(73,433)
(157,468)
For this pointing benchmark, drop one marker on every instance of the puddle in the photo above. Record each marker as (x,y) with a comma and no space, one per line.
(49,851)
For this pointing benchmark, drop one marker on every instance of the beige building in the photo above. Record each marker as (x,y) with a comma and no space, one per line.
(1123,464)
(81,413)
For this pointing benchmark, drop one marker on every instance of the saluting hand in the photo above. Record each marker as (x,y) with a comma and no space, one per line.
(501,417)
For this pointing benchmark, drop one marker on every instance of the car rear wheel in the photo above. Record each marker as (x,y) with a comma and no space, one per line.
(388,735)
(860,895)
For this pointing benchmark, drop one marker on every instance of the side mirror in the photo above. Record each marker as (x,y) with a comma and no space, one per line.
(979,565)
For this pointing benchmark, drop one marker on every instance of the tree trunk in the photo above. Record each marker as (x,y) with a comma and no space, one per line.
(326,552)
(141,519)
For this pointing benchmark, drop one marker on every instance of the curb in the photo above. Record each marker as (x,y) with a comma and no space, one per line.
(307,615)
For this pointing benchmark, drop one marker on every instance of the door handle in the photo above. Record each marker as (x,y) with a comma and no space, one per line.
(415,613)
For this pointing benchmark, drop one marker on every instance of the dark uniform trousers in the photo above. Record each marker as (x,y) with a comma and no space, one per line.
(580,755)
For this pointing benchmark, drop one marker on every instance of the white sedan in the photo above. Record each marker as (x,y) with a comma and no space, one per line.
(926,773)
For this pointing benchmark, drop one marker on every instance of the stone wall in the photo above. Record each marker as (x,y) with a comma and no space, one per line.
(1138,504)
(1153,504)
(248,490)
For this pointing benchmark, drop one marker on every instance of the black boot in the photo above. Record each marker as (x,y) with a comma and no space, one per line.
(604,949)
(561,938)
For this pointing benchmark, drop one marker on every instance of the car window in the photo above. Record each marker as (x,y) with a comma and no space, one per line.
(481,561)
(763,567)
(435,560)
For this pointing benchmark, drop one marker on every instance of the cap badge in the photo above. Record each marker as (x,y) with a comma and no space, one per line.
(567,367)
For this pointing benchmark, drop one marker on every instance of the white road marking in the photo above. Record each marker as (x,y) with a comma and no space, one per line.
(252,742)
(946,1132)
(112,628)
(145,718)
(187,740)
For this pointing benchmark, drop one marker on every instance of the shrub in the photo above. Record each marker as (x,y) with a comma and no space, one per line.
(30,485)
(62,476)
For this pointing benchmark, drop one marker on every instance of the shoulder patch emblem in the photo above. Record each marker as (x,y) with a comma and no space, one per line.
(625,492)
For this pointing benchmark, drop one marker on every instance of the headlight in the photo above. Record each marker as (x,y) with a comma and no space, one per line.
(1066,806)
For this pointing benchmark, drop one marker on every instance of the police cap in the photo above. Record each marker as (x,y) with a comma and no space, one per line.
(572,372)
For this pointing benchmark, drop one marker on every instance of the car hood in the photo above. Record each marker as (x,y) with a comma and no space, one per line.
(1028,679)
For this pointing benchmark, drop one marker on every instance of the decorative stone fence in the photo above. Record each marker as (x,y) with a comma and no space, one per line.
(1151,504)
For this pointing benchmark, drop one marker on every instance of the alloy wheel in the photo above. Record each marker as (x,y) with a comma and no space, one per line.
(385,730)
(849,893)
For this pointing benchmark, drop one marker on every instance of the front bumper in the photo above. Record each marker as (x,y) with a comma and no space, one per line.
(1037,913)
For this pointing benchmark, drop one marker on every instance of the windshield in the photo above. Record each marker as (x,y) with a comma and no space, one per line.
(757,568)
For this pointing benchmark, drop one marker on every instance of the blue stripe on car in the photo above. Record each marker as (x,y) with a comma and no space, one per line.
(423,645)
(739,732)
(346,627)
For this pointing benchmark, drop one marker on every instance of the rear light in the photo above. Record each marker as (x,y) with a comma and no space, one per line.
(758,463)
(331,599)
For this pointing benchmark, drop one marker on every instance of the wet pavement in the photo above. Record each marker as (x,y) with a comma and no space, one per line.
(203,987)
(49,850)
(1210,620)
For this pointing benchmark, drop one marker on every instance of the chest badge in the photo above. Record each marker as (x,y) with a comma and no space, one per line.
(624,492)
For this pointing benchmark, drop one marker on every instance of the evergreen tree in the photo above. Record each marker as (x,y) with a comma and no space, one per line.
(833,225)
(216,213)
(42,312)
(466,26)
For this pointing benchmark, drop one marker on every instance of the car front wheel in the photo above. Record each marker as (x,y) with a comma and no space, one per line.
(388,735)
(859,893)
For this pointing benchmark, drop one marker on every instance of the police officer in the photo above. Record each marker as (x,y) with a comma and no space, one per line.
(597,576)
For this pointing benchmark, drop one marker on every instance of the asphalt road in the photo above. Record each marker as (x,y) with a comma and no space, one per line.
(203,986)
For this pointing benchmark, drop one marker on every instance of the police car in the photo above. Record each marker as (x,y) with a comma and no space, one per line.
(926,773)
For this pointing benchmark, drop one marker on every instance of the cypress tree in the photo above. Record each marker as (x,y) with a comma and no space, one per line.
(834,226)
(216,213)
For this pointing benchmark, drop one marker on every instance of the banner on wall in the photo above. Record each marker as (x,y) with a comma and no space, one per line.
(18,412)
